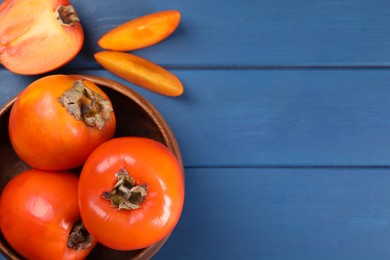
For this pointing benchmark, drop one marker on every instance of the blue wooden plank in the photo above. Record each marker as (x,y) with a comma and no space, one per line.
(283,214)
(253,33)
(271,117)
(280,117)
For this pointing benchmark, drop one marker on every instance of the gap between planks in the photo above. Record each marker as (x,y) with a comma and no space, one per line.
(319,167)
(244,67)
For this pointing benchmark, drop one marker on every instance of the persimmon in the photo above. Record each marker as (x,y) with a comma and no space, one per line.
(141,32)
(58,120)
(131,193)
(141,72)
(38,36)
(40,216)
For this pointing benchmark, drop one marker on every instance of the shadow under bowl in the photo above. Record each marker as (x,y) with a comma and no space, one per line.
(135,117)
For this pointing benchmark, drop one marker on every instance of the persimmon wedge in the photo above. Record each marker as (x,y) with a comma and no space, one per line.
(141,72)
(38,36)
(141,32)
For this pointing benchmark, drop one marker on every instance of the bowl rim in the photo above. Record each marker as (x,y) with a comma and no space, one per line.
(155,116)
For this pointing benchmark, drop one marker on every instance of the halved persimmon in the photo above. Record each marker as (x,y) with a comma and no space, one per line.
(38,36)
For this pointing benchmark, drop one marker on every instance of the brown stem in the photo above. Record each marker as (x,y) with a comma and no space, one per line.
(126,194)
(79,238)
(66,15)
(86,105)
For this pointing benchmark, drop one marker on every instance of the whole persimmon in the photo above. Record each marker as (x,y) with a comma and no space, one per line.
(131,193)
(58,120)
(40,216)
(38,36)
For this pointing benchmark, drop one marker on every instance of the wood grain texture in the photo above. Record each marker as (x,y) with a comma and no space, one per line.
(253,33)
(283,214)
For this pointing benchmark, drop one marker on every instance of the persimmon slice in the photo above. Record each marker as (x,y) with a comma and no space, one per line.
(140,72)
(141,32)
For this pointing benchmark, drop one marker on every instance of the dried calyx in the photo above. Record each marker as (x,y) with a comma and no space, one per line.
(87,105)
(126,194)
(79,238)
(66,15)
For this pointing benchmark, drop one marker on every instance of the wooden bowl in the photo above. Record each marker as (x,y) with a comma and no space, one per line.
(135,117)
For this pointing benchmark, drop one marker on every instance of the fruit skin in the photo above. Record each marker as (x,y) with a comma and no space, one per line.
(141,72)
(147,162)
(141,32)
(43,133)
(32,40)
(38,210)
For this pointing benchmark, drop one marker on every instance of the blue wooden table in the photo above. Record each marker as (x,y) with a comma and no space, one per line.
(284,125)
